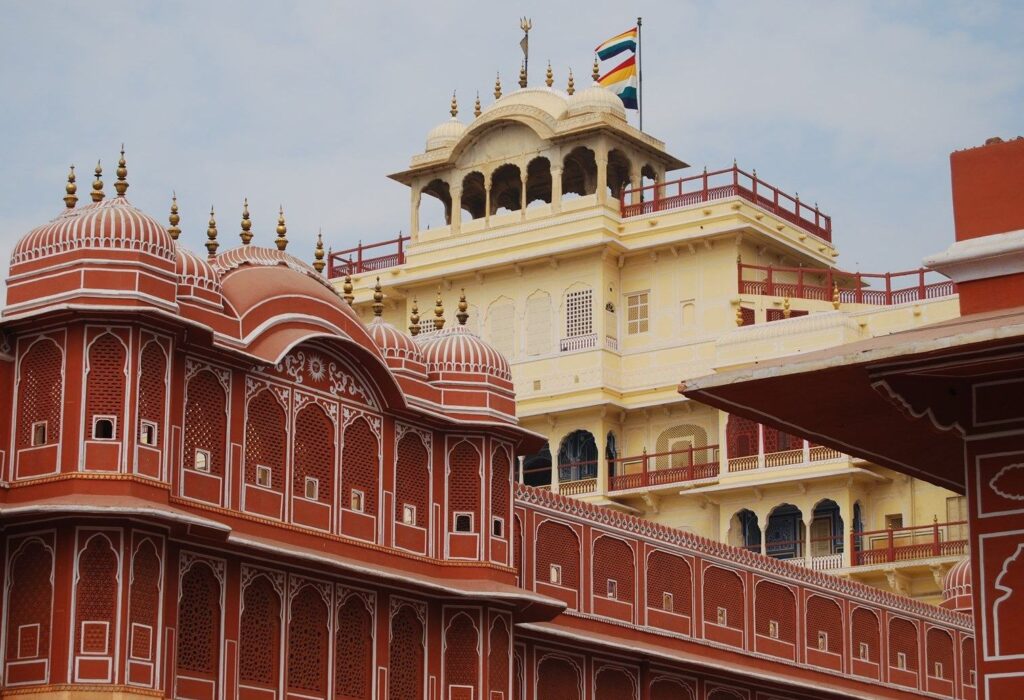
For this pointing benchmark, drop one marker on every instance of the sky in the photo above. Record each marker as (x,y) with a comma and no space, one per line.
(309,105)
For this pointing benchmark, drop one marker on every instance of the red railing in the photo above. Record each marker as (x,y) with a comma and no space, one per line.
(906,543)
(354,260)
(822,283)
(661,468)
(719,184)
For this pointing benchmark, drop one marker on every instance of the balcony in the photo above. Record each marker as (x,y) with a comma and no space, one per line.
(660,469)
(720,184)
(578,342)
(367,258)
(836,286)
(909,543)
(808,454)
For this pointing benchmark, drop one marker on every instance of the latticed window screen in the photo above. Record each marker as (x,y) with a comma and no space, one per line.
(666,689)
(558,679)
(579,313)
(613,684)
(538,324)
(557,544)
(360,464)
(501,326)
(667,573)
(105,386)
(461,658)
(265,439)
(501,485)
(902,640)
(967,660)
(29,600)
(823,615)
(144,602)
(353,650)
(464,482)
(405,679)
(39,392)
(613,561)
(96,598)
(314,453)
(636,313)
(412,479)
(153,388)
(308,643)
(775,603)
(205,421)
(723,589)
(939,647)
(199,622)
(498,657)
(864,626)
(259,638)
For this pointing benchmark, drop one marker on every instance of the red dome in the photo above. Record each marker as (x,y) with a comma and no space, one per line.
(194,271)
(457,349)
(957,587)
(110,225)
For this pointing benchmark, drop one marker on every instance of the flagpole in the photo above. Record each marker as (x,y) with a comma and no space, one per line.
(639,74)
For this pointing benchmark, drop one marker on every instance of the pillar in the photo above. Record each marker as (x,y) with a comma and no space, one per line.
(455,218)
(601,158)
(522,193)
(635,180)
(807,518)
(487,201)
(723,441)
(556,188)
(414,216)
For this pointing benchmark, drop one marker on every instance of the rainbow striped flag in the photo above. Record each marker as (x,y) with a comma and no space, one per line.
(617,44)
(622,81)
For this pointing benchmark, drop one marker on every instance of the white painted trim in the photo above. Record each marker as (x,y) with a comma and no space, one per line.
(984,257)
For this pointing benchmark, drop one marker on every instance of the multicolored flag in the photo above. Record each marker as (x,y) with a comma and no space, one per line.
(622,81)
(617,44)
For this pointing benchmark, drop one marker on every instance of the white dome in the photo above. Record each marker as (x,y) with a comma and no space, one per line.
(445,134)
(596,99)
(550,100)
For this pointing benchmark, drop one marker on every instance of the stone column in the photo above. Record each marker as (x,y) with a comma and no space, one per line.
(635,180)
(556,188)
(601,157)
(487,201)
(456,214)
(414,217)
(807,520)
(522,194)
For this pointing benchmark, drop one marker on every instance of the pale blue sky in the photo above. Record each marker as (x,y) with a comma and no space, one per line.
(311,104)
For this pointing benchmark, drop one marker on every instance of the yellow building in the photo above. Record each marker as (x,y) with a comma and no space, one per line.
(607,282)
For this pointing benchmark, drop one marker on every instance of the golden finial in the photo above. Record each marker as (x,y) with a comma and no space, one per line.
(785,308)
(438,312)
(497,86)
(246,234)
(739,315)
(835,296)
(571,88)
(318,252)
(282,230)
(522,74)
(454,110)
(549,77)
(346,289)
(476,106)
(97,184)
(378,299)
(596,71)
(463,314)
(174,219)
(211,235)
(121,184)
(71,199)
(414,319)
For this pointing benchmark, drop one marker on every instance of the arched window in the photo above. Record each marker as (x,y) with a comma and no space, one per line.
(29,602)
(308,643)
(506,189)
(353,649)
(314,455)
(199,632)
(474,197)
(430,214)
(669,583)
(145,602)
(501,487)
(614,569)
(614,684)
(538,181)
(464,488)
(577,456)
(360,467)
(537,468)
(105,388)
(558,679)
(538,324)
(741,437)
(684,444)
(724,603)
(405,681)
(579,172)
(618,172)
(744,530)
(259,637)
(824,625)
(205,424)
(461,655)
(500,325)
(785,534)
(498,657)
(558,555)
(775,612)
(265,441)
(40,392)
(96,608)
(152,394)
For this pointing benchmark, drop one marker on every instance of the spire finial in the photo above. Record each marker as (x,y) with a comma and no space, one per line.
(346,290)
(786,311)
(522,74)
(463,314)
(739,315)
(246,234)
(282,230)
(121,184)
(414,319)
(70,198)
(438,312)
(596,70)
(173,231)
(549,76)
(318,252)
(571,88)
(454,111)
(835,296)
(211,235)
(97,184)
(476,105)
(378,299)
(497,86)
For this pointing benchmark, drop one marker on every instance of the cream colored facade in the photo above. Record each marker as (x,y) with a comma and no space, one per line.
(555,275)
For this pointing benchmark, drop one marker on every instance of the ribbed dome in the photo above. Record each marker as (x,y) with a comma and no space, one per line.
(392,342)
(457,349)
(958,581)
(550,100)
(260,256)
(446,133)
(112,224)
(194,271)
(596,99)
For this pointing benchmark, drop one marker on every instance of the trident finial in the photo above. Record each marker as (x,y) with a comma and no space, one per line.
(70,198)
(211,235)
(282,230)
(121,184)
(318,252)
(454,111)
(246,234)
(97,184)
(174,219)
(414,319)
(438,312)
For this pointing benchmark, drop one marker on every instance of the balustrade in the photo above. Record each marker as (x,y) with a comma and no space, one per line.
(663,468)
(909,543)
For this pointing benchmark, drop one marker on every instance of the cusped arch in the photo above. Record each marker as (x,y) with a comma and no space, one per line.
(539,121)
